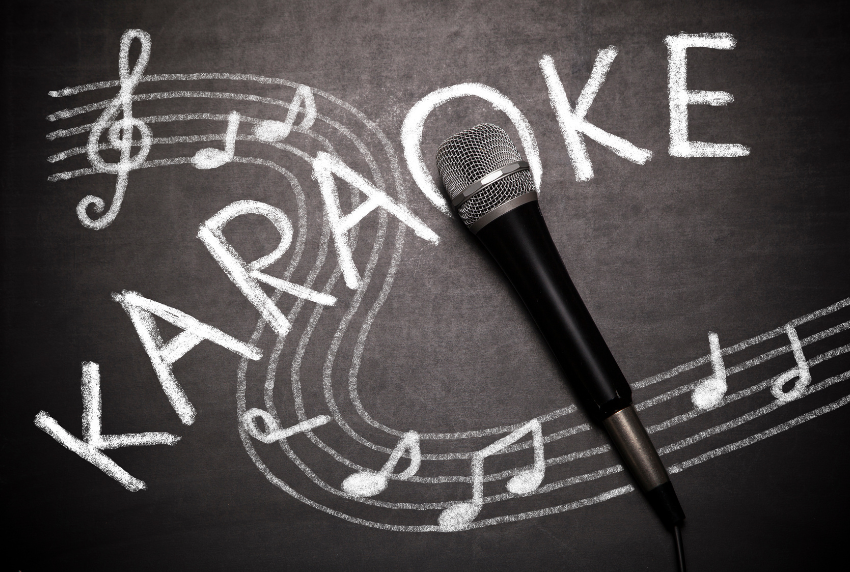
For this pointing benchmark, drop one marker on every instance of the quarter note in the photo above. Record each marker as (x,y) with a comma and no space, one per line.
(368,483)
(801,372)
(709,393)
(212,158)
(459,515)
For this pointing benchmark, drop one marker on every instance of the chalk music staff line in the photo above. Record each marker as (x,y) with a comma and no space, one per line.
(205,158)
(813,361)
(463,445)
(183,160)
(611,470)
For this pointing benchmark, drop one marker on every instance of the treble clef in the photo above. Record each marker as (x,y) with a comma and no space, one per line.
(120,133)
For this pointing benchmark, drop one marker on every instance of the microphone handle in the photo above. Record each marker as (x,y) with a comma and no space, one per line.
(522,246)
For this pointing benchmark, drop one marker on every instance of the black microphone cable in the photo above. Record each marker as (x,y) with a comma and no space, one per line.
(680,549)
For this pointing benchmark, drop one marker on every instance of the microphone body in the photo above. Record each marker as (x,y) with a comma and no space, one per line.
(495,197)
(521,245)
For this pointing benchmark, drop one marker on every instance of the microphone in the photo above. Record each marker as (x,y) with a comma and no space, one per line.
(492,190)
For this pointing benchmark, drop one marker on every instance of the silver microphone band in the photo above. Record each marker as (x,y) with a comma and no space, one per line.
(492,177)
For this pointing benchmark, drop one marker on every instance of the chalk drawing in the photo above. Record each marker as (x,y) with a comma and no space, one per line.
(271,130)
(211,158)
(368,483)
(395,170)
(757,340)
(177,161)
(247,276)
(325,166)
(573,123)
(746,392)
(681,97)
(433,452)
(460,515)
(120,133)
(709,393)
(801,372)
(598,474)
(163,355)
(770,407)
(406,506)
(91,446)
(764,434)
(272,431)
(414,123)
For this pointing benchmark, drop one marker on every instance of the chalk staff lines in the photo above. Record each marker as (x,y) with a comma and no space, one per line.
(408,474)
(357,299)
(670,448)
(278,129)
(614,469)
(491,477)
(184,160)
(466,434)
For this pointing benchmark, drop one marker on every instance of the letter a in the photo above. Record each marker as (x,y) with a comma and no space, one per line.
(141,311)
(325,166)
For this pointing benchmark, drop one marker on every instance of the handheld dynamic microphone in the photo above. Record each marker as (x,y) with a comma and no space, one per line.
(494,194)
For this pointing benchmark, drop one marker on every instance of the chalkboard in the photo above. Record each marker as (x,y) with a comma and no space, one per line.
(242,332)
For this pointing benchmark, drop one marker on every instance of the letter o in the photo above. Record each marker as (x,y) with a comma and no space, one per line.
(411,134)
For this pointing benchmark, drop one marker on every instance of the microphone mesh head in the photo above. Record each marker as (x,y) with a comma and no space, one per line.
(470,155)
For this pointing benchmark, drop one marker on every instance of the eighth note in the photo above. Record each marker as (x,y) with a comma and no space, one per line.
(709,393)
(271,130)
(368,484)
(211,158)
(459,515)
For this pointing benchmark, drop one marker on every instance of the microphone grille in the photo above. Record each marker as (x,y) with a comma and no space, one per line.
(470,155)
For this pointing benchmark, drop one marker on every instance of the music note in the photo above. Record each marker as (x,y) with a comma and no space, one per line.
(211,158)
(801,371)
(709,393)
(368,483)
(119,134)
(271,130)
(459,515)
(273,431)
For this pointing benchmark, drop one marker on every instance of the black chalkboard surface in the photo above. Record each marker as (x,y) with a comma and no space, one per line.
(241,332)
